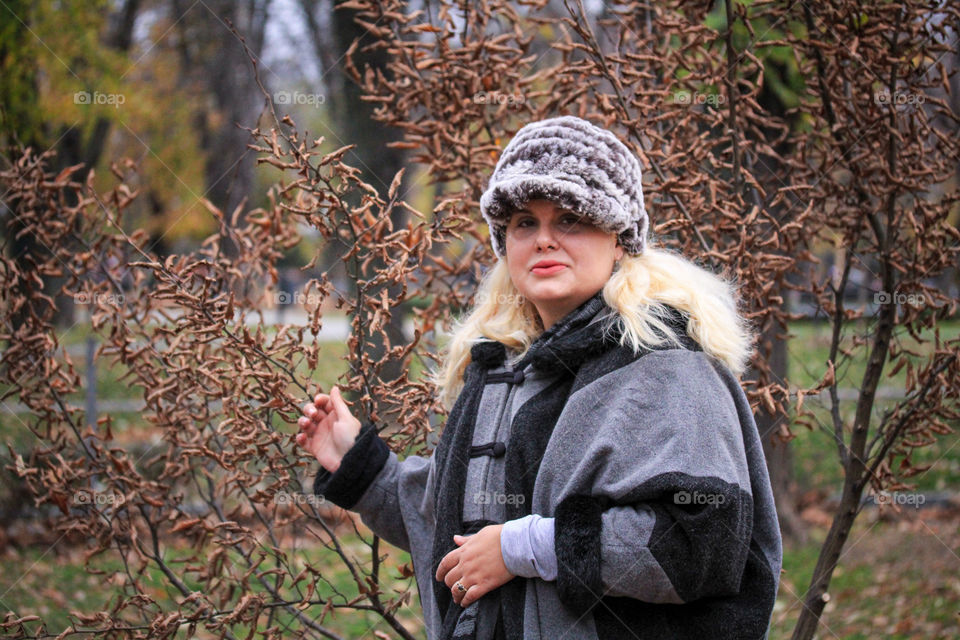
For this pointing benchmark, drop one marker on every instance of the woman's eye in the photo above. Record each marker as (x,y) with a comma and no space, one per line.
(565,221)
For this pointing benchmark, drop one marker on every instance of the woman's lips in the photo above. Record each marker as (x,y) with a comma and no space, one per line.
(547,271)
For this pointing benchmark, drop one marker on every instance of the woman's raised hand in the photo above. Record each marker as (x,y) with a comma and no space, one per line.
(327,429)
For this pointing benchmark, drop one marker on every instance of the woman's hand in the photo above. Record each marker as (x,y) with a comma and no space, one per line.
(327,429)
(477,565)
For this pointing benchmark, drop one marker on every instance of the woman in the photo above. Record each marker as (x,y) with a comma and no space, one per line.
(600,474)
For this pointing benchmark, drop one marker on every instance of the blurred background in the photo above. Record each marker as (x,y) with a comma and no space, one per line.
(168,88)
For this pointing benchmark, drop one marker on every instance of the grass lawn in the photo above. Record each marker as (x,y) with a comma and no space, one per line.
(898,579)
(815,453)
(51,581)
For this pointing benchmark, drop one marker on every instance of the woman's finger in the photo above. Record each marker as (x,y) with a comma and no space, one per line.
(474,593)
(448,562)
(304,423)
(455,573)
(312,412)
(441,571)
(339,404)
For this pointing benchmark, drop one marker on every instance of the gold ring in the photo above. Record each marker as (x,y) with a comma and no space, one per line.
(460,587)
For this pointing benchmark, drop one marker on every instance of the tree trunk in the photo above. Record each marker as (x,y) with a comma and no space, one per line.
(212,56)
(817,595)
(73,149)
(768,171)
(778,454)
(355,124)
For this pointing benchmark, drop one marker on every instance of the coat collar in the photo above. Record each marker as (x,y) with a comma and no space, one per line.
(586,331)
(583,332)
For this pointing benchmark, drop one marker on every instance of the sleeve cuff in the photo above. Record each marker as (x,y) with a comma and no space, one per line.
(578,522)
(515,547)
(359,466)
(526,545)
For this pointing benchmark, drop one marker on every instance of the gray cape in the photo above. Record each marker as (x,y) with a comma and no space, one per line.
(650,464)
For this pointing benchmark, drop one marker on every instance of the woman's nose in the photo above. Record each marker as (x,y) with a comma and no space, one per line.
(545,237)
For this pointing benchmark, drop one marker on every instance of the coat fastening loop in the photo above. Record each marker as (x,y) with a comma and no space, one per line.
(492,449)
(513,377)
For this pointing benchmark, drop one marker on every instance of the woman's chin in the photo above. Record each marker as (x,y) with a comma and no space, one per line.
(546,294)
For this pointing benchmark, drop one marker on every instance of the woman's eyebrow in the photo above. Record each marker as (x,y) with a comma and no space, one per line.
(560,211)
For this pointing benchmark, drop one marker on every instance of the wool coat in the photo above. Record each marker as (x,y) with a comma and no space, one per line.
(650,464)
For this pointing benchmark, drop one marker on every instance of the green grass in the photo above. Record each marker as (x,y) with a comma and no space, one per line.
(816,462)
(809,350)
(895,579)
(52,581)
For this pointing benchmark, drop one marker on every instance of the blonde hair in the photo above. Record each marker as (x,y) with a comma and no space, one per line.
(636,292)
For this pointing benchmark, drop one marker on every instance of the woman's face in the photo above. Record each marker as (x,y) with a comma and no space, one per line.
(581,253)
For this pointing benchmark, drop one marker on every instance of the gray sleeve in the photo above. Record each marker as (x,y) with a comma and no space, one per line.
(527,546)
(398,504)
(625,555)
(393,498)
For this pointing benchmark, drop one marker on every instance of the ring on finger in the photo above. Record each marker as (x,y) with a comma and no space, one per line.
(459,587)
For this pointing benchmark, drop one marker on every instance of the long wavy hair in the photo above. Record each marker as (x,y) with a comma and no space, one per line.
(636,292)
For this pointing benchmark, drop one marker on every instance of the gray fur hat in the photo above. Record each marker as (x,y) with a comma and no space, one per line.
(579,166)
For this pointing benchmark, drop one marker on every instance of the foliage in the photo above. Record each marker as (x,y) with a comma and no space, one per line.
(869,173)
(219,478)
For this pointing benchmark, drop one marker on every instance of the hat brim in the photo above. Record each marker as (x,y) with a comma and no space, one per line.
(501,201)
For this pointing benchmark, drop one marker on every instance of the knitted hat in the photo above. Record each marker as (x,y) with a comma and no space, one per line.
(579,166)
